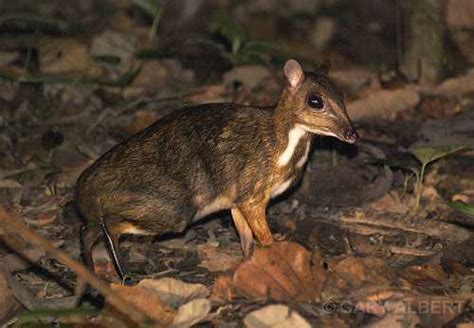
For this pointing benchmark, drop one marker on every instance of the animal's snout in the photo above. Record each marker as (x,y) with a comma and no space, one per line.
(351,135)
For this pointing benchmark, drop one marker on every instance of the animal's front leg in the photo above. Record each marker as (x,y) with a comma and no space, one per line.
(254,213)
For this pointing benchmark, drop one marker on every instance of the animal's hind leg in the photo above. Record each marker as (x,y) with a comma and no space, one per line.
(90,235)
(112,234)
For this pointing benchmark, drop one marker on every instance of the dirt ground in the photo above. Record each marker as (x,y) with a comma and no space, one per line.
(354,246)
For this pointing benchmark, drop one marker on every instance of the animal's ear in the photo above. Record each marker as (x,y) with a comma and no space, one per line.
(294,75)
(324,68)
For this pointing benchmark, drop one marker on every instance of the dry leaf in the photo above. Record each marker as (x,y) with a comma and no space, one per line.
(143,118)
(456,86)
(397,316)
(8,303)
(358,277)
(275,316)
(390,203)
(356,79)
(144,299)
(114,43)
(222,289)
(66,57)
(191,313)
(459,14)
(437,311)
(17,261)
(175,292)
(208,94)
(282,271)
(383,104)
(218,259)
(10,184)
(249,75)
(152,76)
(430,275)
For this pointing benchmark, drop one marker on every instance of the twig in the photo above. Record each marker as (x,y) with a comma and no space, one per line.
(411,251)
(106,112)
(128,309)
(427,227)
(31,303)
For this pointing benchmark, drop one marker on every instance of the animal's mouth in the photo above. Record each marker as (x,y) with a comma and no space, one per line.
(350,136)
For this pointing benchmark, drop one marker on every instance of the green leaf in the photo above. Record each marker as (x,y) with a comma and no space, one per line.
(150,7)
(44,314)
(230,30)
(427,154)
(109,59)
(39,22)
(462,207)
(155,11)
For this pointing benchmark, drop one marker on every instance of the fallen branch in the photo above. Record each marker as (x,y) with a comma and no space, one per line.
(373,223)
(436,228)
(128,309)
(32,303)
(439,229)
(411,251)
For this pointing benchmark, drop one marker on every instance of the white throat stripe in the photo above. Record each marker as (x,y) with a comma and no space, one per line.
(294,137)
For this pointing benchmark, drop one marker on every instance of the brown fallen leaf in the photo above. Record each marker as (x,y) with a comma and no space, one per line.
(459,14)
(357,277)
(397,315)
(218,259)
(222,290)
(149,80)
(356,79)
(63,56)
(143,118)
(111,42)
(275,316)
(437,311)
(384,104)
(8,302)
(21,260)
(173,291)
(144,299)
(250,76)
(283,271)
(390,203)
(192,312)
(429,275)
(457,85)
(209,93)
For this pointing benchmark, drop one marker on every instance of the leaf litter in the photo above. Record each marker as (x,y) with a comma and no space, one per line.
(386,266)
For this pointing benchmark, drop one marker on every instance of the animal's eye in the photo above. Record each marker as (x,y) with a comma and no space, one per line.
(315,101)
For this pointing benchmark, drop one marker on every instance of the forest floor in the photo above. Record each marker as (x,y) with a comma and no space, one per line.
(353,246)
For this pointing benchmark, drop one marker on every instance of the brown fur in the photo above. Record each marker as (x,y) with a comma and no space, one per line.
(200,159)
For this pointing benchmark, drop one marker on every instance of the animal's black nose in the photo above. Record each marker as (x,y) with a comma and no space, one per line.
(351,135)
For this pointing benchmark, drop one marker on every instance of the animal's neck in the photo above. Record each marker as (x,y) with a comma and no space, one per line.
(288,132)
(283,120)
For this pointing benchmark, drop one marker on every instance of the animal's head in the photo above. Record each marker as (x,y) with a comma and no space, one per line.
(316,103)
